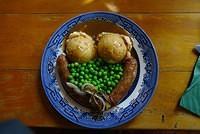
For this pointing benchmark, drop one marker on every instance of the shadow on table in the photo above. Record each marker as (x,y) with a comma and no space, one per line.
(17,127)
(39,130)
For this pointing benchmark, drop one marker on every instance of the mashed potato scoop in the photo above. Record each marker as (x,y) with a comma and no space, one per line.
(80,47)
(113,47)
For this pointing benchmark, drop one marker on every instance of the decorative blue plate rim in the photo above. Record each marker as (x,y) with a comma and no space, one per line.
(120,115)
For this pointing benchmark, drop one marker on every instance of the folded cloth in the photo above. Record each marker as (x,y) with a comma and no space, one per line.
(191,97)
(14,127)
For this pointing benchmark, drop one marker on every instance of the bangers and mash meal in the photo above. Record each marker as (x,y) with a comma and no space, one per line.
(97,65)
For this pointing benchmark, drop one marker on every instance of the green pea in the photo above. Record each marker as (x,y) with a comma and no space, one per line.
(110,88)
(120,73)
(101,85)
(94,65)
(105,80)
(72,65)
(96,80)
(101,80)
(73,70)
(101,70)
(84,64)
(79,85)
(113,68)
(100,89)
(76,64)
(69,65)
(76,75)
(117,76)
(82,81)
(70,77)
(75,82)
(90,65)
(104,73)
(97,69)
(118,68)
(105,77)
(82,73)
(92,69)
(90,75)
(111,78)
(86,70)
(109,83)
(112,84)
(81,77)
(85,81)
(108,91)
(98,83)
(72,81)
(112,72)
(82,68)
(117,65)
(73,74)
(95,77)
(116,81)
(95,72)
(86,76)
(97,87)
(89,80)
(100,73)
(94,83)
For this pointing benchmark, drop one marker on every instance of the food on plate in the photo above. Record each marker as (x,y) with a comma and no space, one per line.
(102,75)
(74,92)
(113,47)
(129,74)
(80,47)
(97,81)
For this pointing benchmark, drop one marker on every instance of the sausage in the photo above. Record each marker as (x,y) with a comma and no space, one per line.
(63,73)
(129,74)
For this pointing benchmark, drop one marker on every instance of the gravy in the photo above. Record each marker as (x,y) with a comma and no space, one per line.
(95,27)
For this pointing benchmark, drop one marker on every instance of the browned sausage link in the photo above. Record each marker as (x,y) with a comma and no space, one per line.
(63,72)
(62,67)
(130,69)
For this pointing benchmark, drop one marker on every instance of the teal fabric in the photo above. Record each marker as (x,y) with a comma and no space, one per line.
(191,98)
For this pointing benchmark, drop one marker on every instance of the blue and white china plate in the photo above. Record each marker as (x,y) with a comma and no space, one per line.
(139,95)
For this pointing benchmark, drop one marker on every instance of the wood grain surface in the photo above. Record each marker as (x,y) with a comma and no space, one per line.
(25,36)
(74,6)
(23,98)
(25,27)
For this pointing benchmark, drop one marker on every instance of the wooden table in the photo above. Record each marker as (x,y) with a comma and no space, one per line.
(25,27)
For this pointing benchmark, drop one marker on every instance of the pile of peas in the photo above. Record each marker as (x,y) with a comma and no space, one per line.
(102,75)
